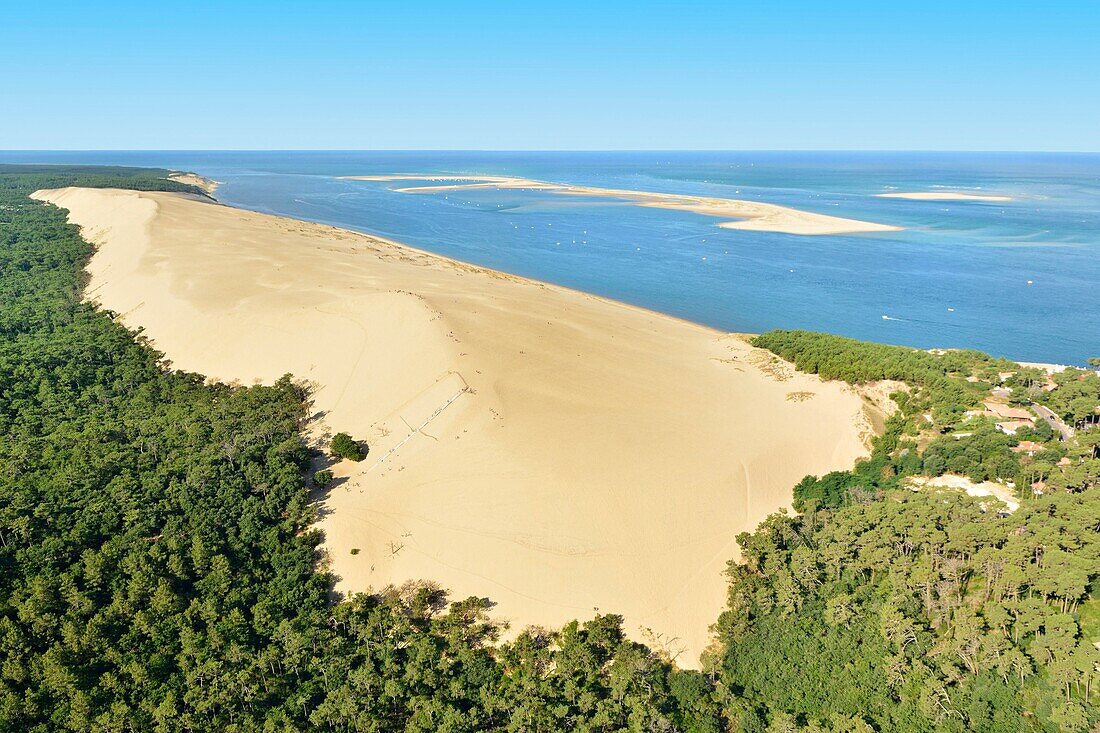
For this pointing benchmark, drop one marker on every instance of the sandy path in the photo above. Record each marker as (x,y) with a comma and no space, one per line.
(573,453)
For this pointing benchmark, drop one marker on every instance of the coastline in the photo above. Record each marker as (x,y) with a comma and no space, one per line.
(746,215)
(208,185)
(553,450)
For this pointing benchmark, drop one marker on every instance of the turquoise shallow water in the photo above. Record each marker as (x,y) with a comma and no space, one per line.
(957,276)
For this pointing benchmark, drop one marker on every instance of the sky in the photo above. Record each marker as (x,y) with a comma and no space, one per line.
(420,74)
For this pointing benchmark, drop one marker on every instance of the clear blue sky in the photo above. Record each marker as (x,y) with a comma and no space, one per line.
(885,74)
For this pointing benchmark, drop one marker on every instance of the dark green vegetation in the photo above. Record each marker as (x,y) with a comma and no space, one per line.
(1076,399)
(157,571)
(856,362)
(1073,394)
(343,446)
(919,612)
(880,608)
(322,478)
(931,433)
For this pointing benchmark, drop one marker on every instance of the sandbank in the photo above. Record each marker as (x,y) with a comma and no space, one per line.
(559,453)
(749,215)
(943,196)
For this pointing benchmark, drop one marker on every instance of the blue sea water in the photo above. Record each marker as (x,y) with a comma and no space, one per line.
(956,276)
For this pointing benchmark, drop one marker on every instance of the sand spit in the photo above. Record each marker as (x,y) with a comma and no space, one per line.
(750,215)
(193,179)
(557,452)
(943,196)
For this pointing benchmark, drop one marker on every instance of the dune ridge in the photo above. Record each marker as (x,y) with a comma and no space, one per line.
(560,453)
(749,215)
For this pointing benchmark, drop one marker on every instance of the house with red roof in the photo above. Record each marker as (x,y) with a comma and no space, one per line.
(1007,412)
(1028,446)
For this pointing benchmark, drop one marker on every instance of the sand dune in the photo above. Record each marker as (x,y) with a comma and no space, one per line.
(750,215)
(943,196)
(555,451)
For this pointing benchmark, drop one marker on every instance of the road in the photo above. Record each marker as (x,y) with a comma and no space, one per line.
(1064,431)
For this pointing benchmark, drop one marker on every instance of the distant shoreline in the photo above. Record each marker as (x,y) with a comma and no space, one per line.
(209,185)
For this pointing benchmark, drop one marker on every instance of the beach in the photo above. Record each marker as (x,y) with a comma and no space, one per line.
(747,215)
(557,452)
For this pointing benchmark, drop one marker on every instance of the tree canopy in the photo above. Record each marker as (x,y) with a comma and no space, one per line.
(344,446)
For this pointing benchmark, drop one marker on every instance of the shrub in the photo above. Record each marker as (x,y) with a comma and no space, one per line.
(344,447)
(322,478)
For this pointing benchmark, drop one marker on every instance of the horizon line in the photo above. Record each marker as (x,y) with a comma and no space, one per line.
(547,150)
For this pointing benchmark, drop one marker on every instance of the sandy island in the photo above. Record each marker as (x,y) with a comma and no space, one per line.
(751,215)
(943,196)
(557,452)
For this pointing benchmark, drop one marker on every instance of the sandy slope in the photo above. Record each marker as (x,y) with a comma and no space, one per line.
(750,215)
(971,487)
(943,196)
(554,451)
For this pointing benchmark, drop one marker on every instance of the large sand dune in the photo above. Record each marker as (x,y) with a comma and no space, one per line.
(555,451)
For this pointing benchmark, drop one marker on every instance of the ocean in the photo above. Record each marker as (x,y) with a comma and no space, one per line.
(1019,279)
